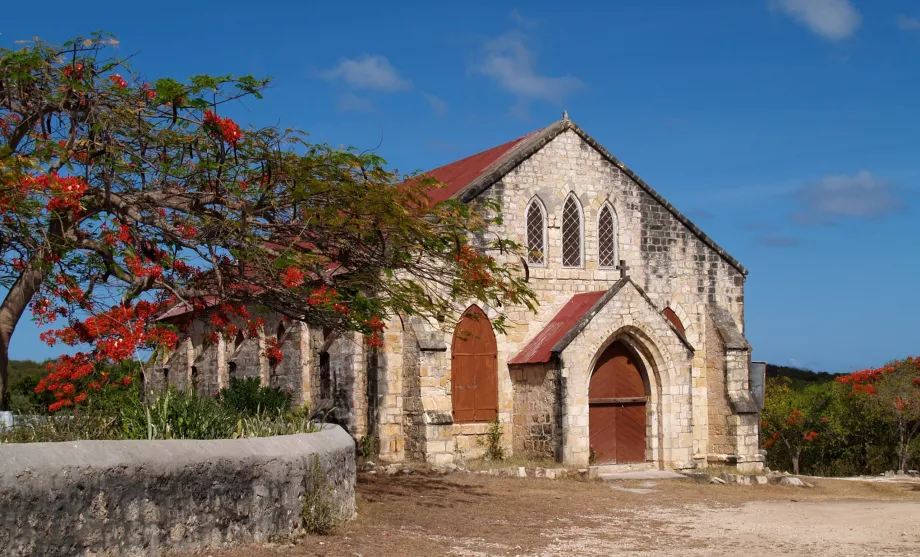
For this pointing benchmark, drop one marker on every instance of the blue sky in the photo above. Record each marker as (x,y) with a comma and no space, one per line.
(787,129)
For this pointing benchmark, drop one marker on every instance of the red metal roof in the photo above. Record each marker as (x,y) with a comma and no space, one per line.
(459,174)
(539,350)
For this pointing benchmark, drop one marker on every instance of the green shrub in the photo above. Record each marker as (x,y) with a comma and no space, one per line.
(62,427)
(178,415)
(248,396)
(493,441)
(267,424)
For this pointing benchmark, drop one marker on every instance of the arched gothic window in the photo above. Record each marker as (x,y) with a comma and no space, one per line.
(607,237)
(536,233)
(572,232)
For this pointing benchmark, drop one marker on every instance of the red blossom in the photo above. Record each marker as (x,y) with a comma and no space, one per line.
(118,81)
(225,128)
(292,277)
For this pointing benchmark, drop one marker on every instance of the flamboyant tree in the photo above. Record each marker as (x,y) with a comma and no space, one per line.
(121,197)
(895,389)
(793,419)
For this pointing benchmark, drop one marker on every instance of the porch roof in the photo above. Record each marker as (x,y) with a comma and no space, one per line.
(540,349)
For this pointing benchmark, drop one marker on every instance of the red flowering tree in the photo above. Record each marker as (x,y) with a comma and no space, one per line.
(895,389)
(793,420)
(122,197)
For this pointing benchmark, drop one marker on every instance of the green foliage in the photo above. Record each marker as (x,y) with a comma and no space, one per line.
(268,424)
(178,415)
(61,427)
(493,441)
(848,433)
(319,516)
(368,446)
(248,396)
(24,369)
(121,414)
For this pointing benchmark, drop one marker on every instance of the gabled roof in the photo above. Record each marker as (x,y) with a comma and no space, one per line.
(572,319)
(540,349)
(459,174)
(467,178)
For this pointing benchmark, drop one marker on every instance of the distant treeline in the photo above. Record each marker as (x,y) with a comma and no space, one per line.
(20,369)
(799,377)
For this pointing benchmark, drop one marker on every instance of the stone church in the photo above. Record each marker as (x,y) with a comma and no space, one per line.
(636,354)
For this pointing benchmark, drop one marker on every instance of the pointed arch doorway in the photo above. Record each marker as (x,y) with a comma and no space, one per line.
(617,401)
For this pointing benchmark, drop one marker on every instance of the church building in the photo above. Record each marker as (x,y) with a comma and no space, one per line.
(636,354)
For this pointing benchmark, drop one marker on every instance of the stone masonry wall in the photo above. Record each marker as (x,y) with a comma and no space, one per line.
(720,442)
(535,408)
(144,497)
(673,266)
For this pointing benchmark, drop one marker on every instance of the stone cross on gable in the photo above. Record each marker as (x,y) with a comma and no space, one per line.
(623,268)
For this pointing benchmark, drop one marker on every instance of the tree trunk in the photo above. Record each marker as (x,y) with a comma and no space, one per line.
(14,305)
(903,449)
(795,463)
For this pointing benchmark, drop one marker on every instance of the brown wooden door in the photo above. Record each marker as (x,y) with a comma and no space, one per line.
(474,369)
(616,408)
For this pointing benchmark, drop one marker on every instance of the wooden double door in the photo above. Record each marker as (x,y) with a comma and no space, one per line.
(617,403)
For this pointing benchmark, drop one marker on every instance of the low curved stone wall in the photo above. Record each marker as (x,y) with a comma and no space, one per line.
(141,497)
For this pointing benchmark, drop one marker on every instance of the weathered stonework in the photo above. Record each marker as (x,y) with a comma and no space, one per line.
(699,408)
(147,497)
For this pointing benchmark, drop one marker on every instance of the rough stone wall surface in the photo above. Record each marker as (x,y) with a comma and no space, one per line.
(143,497)
(720,442)
(673,266)
(292,374)
(535,403)
(392,398)
(413,410)
(346,360)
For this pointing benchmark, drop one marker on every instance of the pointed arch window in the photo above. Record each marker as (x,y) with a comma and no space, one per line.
(536,233)
(572,232)
(607,237)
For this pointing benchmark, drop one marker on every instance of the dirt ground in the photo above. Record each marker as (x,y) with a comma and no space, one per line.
(472,515)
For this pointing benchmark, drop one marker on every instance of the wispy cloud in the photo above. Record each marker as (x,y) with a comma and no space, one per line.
(437,104)
(372,72)
(907,23)
(350,102)
(859,196)
(833,20)
(778,241)
(519,19)
(512,65)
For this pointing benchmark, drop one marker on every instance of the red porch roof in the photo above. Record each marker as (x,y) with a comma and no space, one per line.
(539,350)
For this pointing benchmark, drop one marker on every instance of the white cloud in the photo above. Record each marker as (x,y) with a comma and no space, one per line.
(349,102)
(510,63)
(831,19)
(862,195)
(368,72)
(907,23)
(437,104)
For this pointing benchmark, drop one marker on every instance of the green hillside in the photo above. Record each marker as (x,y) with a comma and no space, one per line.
(800,377)
(25,368)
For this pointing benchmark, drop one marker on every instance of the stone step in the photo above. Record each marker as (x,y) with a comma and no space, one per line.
(599,469)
